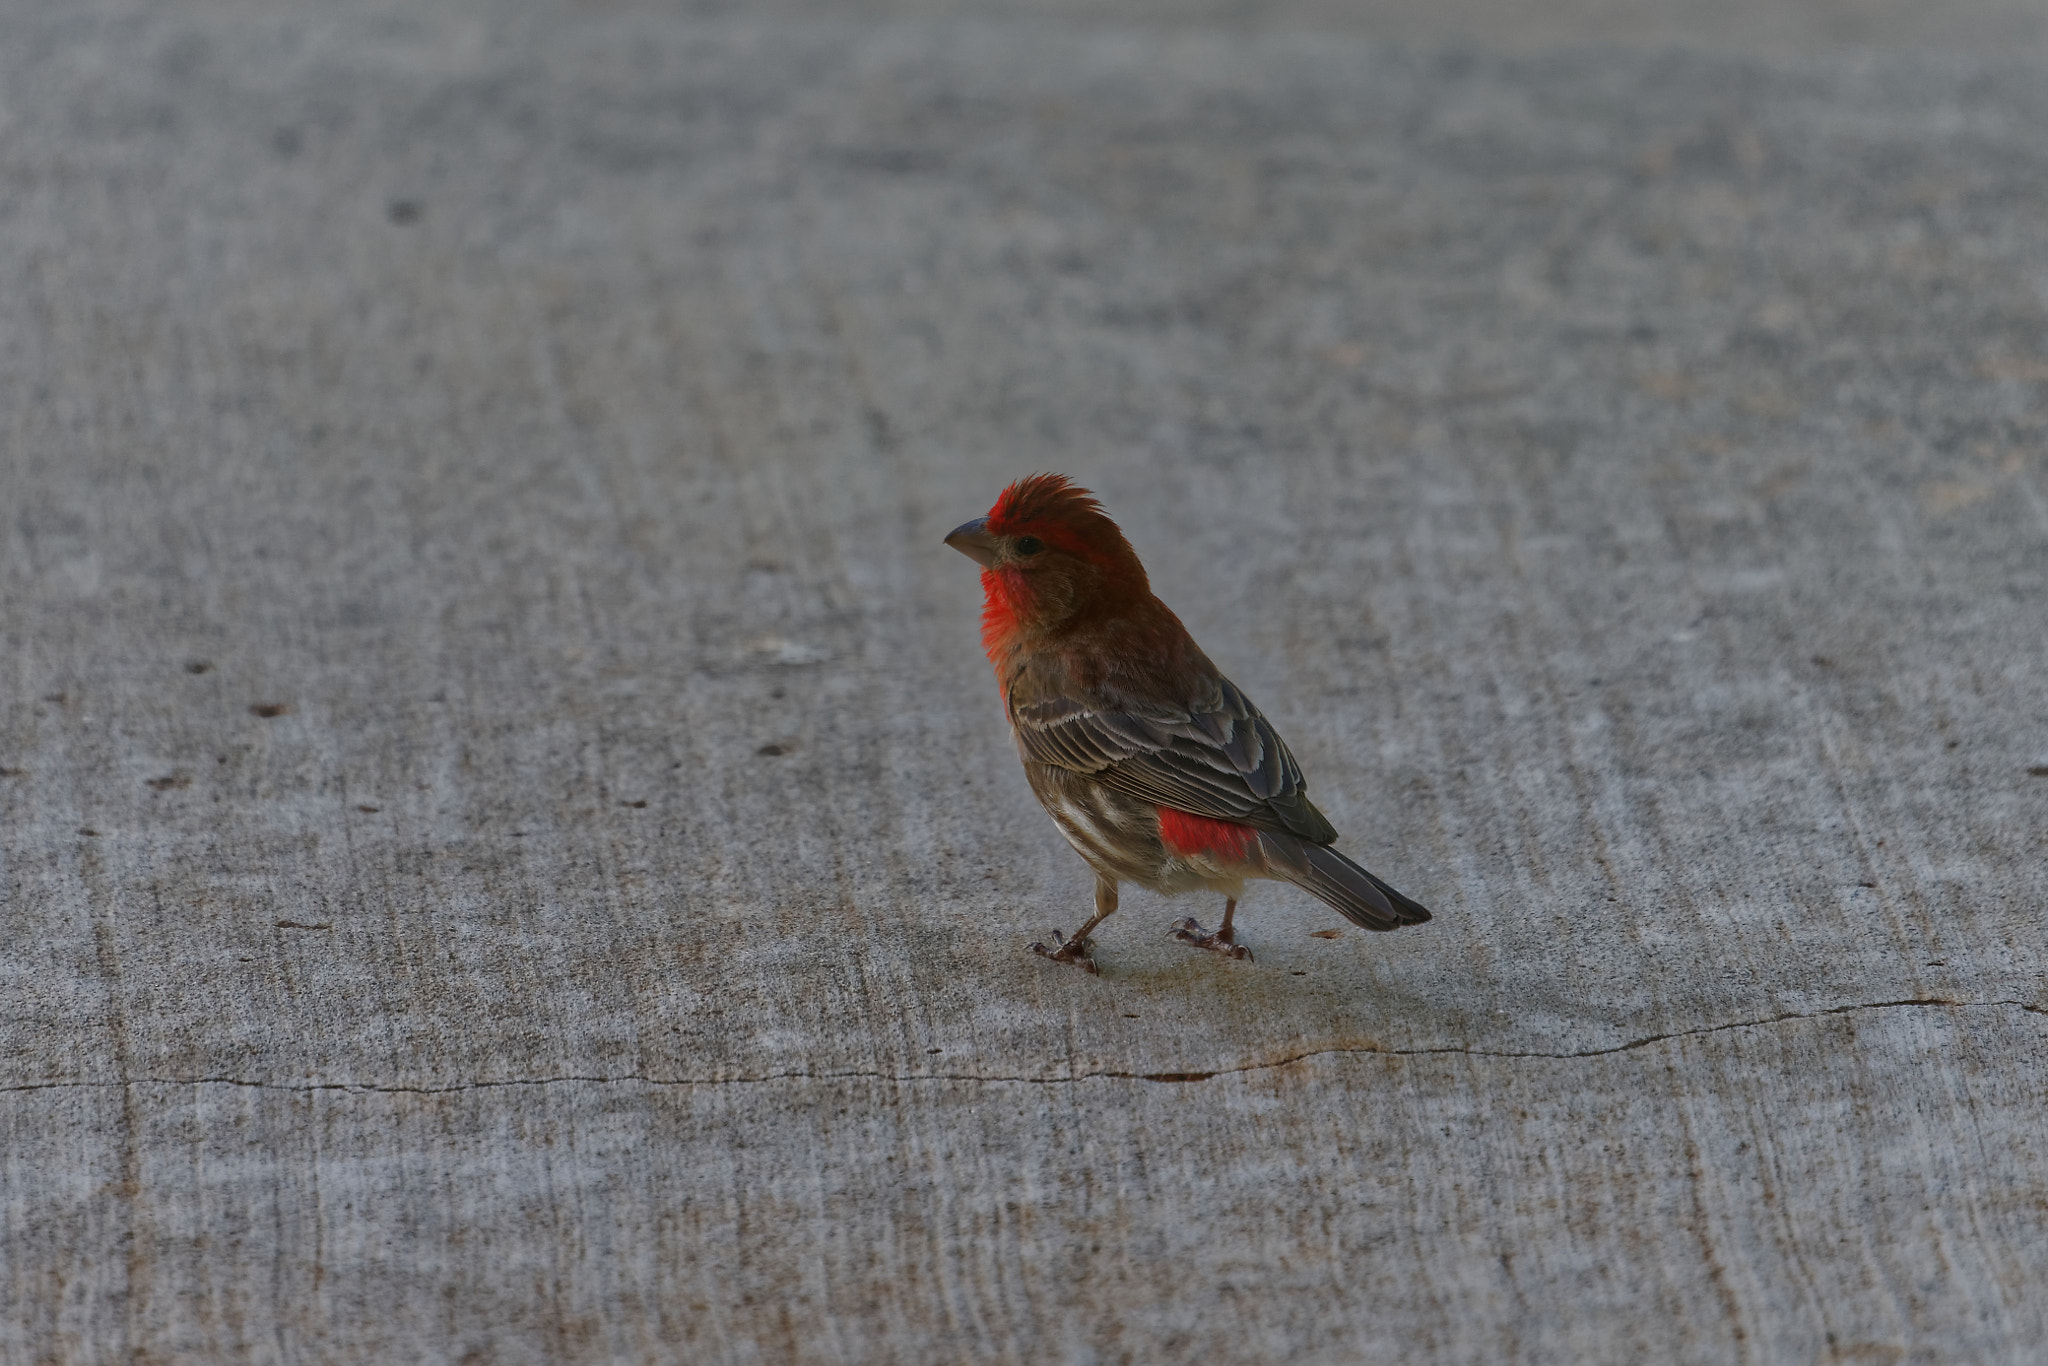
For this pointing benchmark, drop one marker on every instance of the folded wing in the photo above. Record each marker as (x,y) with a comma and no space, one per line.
(1219,757)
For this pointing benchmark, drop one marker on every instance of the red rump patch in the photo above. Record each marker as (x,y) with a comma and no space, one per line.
(1185,833)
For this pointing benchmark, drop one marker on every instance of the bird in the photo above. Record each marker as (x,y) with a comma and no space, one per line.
(1157,769)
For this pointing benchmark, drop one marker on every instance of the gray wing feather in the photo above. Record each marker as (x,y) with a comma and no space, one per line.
(1221,758)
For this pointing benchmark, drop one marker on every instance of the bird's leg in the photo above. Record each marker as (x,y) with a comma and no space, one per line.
(1075,950)
(1224,941)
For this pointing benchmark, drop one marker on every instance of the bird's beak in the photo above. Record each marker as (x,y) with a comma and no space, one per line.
(972,540)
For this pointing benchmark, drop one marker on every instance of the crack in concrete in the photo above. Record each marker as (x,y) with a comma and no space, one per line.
(379,1088)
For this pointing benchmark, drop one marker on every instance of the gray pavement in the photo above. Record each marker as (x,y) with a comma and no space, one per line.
(1749,28)
(507,842)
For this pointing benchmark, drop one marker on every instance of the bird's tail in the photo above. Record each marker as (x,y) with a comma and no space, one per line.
(1324,873)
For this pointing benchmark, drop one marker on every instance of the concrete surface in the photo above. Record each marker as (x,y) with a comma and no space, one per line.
(509,849)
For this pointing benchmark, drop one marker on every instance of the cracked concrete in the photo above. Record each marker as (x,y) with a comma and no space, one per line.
(507,846)
(984,1077)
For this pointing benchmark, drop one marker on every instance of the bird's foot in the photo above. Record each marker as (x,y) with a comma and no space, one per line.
(1065,950)
(1224,942)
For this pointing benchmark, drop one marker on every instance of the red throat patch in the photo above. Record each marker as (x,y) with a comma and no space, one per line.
(1005,599)
(1184,833)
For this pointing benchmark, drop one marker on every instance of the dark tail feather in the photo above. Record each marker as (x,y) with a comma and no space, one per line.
(1327,874)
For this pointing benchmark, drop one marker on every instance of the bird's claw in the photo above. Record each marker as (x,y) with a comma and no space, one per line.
(1067,950)
(1190,932)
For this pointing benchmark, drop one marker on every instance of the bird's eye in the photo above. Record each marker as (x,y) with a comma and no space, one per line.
(1029,545)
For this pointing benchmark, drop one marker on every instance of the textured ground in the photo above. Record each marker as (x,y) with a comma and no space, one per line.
(509,849)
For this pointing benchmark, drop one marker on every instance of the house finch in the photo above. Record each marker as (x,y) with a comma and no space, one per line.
(1156,768)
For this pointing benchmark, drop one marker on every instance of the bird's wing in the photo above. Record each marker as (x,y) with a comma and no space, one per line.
(1219,757)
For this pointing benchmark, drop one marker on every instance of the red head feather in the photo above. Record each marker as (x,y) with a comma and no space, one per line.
(1052,508)
(1098,575)
(1041,497)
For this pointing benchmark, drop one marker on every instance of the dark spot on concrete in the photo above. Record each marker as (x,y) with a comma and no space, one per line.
(198,666)
(1824,661)
(2036,770)
(88,830)
(1326,934)
(367,810)
(775,693)
(770,750)
(59,698)
(1297,973)
(932,1050)
(300,925)
(635,805)
(12,772)
(1953,743)
(1129,1016)
(266,710)
(286,142)
(171,780)
(404,210)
